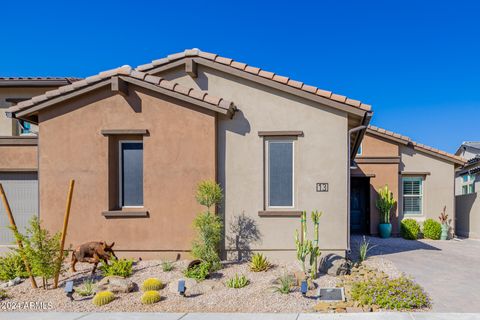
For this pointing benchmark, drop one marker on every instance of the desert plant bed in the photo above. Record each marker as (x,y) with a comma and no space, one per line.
(210,295)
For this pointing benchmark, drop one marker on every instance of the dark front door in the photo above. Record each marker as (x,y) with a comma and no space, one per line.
(359,205)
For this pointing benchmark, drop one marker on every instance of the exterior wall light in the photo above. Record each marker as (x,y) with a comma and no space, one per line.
(69,289)
(181,287)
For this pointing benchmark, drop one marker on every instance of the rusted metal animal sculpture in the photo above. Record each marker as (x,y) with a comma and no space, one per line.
(93,252)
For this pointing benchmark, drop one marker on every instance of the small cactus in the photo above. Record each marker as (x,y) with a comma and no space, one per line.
(102,298)
(152,284)
(150,297)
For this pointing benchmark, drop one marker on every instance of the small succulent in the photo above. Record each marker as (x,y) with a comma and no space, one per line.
(151,297)
(3,295)
(285,284)
(87,288)
(259,263)
(152,284)
(167,266)
(237,282)
(102,298)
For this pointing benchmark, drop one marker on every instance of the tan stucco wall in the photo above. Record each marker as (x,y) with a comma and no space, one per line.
(438,185)
(18,157)
(467,210)
(8,127)
(179,151)
(320,156)
(381,174)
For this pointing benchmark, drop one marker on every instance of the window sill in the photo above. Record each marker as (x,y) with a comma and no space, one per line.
(125,214)
(288,214)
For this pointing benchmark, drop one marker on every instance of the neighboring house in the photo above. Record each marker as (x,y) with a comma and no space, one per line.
(467,204)
(281,147)
(468,149)
(420,177)
(18,150)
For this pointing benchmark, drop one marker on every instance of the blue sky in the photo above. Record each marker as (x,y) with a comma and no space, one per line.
(416,62)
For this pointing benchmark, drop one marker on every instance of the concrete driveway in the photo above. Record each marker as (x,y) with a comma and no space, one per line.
(448,270)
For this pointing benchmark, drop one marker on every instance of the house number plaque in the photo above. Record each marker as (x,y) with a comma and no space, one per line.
(322,187)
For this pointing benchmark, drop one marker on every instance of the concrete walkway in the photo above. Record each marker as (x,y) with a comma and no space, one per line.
(237,316)
(448,270)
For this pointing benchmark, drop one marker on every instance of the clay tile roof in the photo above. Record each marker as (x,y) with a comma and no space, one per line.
(129,72)
(407,140)
(256,71)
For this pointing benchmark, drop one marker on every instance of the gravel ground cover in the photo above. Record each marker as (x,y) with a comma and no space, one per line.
(211,295)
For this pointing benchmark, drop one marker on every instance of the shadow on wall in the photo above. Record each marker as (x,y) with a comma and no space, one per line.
(243,233)
(388,246)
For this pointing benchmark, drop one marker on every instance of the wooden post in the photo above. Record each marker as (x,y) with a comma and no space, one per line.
(19,241)
(64,232)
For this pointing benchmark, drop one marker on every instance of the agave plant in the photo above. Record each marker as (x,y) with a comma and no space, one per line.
(259,263)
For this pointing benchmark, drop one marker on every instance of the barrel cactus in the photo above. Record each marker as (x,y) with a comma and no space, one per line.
(102,298)
(150,297)
(152,284)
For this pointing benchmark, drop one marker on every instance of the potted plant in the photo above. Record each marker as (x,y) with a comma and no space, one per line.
(444,221)
(385,203)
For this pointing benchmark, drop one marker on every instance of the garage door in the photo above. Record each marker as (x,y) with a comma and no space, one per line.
(21,189)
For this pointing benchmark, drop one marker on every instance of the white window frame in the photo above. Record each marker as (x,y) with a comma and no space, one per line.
(422,181)
(467,183)
(120,174)
(267,171)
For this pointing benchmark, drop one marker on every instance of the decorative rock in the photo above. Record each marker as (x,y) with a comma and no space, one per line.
(11,283)
(322,307)
(335,265)
(299,276)
(115,284)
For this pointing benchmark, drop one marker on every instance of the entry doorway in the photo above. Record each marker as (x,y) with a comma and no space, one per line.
(360,205)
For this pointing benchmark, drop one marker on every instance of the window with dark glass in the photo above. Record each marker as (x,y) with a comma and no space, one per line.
(131,173)
(280,175)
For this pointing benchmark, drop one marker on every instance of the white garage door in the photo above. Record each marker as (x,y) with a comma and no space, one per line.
(21,189)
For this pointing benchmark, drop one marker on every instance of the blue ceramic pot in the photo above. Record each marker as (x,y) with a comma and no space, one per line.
(385,230)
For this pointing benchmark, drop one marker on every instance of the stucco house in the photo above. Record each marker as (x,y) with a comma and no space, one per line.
(420,177)
(466,188)
(18,149)
(137,142)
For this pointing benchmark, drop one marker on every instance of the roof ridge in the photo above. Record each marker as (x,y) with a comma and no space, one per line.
(195,52)
(414,143)
(125,70)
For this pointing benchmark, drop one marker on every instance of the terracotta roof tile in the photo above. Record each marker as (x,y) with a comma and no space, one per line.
(223,60)
(374,129)
(125,71)
(257,71)
(266,74)
(280,79)
(252,70)
(238,65)
(294,83)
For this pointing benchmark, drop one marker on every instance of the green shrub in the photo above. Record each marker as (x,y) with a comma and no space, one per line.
(12,266)
(3,295)
(102,298)
(393,294)
(199,271)
(409,229)
(42,251)
(259,263)
(432,229)
(167,266)
(284,284)
(209,226)
(120,267)
(87,288)
(152,284)
(151,297)
(237,282)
